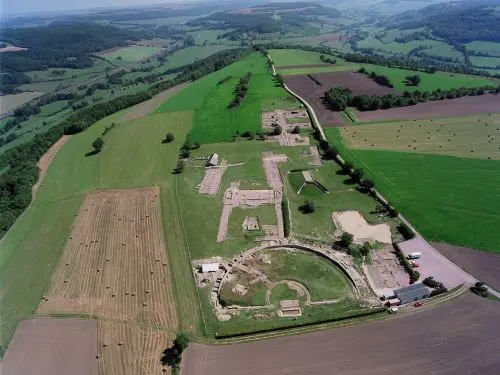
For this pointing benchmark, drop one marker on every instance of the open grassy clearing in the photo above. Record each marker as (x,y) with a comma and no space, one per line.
(201,213)
(448,199)
(470,137)
(208,36)
(312,70)
(255,296)
(481,61)
(266,215)
(321,278)
(399,48)
(12,101)
(213,121)
(318,225)
(491,48)
(133,156)
(444,50)
(282,292)
(158,21)
(129,54)
(430,82)
(188,56)
(288,57)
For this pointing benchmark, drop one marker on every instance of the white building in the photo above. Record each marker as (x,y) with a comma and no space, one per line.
(213,161)
(209,267)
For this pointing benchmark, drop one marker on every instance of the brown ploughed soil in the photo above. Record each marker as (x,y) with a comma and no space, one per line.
(306,88)
(45,160)
(480,264)
(43,346)
(149,106)
(114,264)
(467,105)
(358,83)
(458,337)
(126,349)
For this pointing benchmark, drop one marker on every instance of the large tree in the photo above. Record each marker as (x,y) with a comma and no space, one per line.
(98,145)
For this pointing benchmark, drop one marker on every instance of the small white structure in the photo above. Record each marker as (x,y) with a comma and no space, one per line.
(213,160)
(209,267)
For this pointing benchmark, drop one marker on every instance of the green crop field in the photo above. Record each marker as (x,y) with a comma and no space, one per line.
(430,82)
(469,137)
(283,57)
(210,36)
(213,121)
(485,62)
(319,69)
(133,156)
(188,56)
(398,48)
(129,54)
(444,50)
(491,48)
(448,199)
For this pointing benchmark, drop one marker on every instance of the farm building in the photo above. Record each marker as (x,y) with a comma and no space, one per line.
(213,160)
(412,293)
(209,267)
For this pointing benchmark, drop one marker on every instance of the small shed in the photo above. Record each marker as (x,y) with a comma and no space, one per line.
(213,160)
(412,293)
(209,267)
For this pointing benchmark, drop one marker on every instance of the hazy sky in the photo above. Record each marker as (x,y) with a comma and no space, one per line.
(28,6)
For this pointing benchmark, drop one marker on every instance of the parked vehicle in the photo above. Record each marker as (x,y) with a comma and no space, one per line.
(418,304)
(415,255)
(393,310)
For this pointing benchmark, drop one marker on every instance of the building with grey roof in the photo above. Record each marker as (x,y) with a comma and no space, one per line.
(412,293)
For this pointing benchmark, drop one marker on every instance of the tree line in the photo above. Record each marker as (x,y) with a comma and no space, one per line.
(381,79)
(240,91)
(339,98)
(22,172)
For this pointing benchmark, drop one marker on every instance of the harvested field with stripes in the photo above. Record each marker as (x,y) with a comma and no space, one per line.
(127,349)
(114,264)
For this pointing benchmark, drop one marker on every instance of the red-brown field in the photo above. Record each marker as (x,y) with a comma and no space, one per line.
(460,337)
(467,105)
(43,346)
(114,264)
(482,265)
(313,93)
(358,83)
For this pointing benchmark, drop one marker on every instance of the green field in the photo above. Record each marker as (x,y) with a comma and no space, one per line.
(470,137)
(398,48)
(444,50)
(485,62)
(448,199)
(430,82)
(188,56)
(213,121)
(318,225)
(491,48)
(208,36)
(130,54)
(133,156)
(319,69)
(266,215)
(283,57)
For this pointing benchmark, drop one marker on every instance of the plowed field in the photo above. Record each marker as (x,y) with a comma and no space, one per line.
(467,105)
(358,83)
(130,350)
(114,264)
(459,337)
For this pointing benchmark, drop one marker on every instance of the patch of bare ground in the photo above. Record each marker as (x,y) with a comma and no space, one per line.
(482,265)
(126,349)
(358,83)
(43,346)
(114,264)
(467,105)
(459,337)
(44,162)
(149,106)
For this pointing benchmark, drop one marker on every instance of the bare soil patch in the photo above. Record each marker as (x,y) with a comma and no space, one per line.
(114,264)
(44,162)
(463,336)
(44,346)
(313,93)
(149,106)
(353,222)
(484,266)
(467,105)
(127,349)
(358,83)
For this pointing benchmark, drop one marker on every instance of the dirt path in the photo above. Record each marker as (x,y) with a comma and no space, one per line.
(149,106)
(45,160)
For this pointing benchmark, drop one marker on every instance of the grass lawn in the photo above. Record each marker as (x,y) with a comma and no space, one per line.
(318,225)
(12,101)
(449,136)
(322,279)
(448,199)
(213,121)
(133,156)
(430,82)
(281,292)
(266,215)
(129,54)
(491,48)
(53,108)
(283,57)
(255,296)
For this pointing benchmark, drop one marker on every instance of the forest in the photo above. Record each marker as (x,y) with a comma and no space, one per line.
(61,45)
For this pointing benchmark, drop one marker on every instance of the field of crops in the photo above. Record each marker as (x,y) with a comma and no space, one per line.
(398,48)
(289,57)
(130,54)
(10,102)
(448,199)
(491,48)
(188,56)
